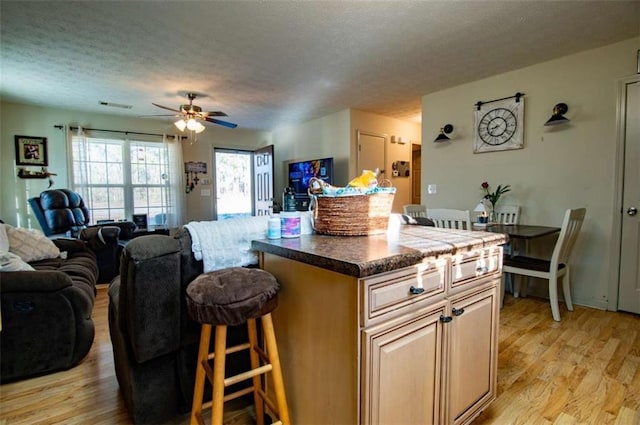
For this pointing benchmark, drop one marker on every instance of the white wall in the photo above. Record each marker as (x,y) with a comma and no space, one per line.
(321,138)
(366,121)
(335,136)
(560,167)
(29,120)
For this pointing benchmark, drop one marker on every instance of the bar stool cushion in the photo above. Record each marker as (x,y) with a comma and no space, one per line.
(231,296)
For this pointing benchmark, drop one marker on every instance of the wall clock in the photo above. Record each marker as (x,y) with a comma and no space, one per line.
(499,125)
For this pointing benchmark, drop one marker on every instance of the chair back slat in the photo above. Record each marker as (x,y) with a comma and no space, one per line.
(507,214)
(450,218)
(573,219)
(415,210)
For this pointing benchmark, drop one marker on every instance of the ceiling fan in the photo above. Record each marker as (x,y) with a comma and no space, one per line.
(192,114)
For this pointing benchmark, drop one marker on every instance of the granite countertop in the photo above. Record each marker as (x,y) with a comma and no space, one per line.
(362,256)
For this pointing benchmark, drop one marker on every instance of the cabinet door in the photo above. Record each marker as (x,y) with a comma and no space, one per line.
(473,354)
(401,369)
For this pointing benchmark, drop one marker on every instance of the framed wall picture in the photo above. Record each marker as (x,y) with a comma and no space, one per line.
(140,220)
(499,125)
(31,151)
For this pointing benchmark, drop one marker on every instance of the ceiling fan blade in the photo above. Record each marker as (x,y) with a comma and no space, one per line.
(165,107)
(214,114)
(161,115)
(222,123)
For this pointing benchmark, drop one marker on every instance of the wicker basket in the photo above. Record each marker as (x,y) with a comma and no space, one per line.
(352,215)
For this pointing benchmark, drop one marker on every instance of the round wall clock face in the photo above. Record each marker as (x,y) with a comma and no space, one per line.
(497,126)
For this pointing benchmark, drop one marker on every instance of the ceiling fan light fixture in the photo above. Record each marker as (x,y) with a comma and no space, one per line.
(192,124)
(199,127)
(180,124)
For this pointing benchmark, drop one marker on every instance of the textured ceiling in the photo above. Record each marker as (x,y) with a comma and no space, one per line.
(268,64)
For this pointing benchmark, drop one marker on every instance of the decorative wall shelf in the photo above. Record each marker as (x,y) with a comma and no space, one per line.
(27,174)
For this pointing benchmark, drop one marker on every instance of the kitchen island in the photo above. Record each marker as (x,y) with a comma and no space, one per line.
(399,328)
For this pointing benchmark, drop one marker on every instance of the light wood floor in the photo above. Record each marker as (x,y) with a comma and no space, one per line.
(583,370)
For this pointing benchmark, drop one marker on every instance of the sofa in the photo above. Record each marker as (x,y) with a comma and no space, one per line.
(46,309)
(155,342)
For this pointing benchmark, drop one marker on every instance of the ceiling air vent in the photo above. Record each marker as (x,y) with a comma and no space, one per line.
(115,105)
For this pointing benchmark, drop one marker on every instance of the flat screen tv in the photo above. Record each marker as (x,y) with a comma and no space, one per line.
(300,172)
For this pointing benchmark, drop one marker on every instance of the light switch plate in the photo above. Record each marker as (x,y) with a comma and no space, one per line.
(432,189)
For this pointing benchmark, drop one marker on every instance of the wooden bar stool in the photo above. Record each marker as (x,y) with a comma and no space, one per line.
(231,297)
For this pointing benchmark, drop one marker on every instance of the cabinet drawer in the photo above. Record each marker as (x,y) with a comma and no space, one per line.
(398,292)
(467,268)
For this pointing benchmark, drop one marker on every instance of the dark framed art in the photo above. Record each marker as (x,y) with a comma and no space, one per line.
(31,151)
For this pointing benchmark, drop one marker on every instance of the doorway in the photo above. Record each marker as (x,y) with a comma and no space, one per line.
(233,179)
(371,153)
(416,173)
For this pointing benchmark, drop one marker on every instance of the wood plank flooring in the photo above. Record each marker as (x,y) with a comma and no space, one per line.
(583,370)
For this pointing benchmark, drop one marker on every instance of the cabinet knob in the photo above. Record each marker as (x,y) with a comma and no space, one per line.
(416,291)
(457,311)
(482,269)
(445,319)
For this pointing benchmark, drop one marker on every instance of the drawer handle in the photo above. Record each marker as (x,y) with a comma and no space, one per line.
(457,311)
(445,319)
(416,291)
(482,269)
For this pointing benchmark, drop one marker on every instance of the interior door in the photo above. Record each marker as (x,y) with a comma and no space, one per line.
(371,152)
(629,286)
(416,173)
(263,180)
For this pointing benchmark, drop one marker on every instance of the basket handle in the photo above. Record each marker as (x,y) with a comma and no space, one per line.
(316,185)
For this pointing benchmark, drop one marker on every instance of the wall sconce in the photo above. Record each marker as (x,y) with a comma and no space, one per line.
(442,137)
(557,118)
(397,139)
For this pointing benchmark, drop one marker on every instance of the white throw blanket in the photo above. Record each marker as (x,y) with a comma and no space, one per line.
(226,243)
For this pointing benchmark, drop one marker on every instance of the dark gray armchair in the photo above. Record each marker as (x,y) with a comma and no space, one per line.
(63,213)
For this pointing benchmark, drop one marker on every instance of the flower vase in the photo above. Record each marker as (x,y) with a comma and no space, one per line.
(492,216)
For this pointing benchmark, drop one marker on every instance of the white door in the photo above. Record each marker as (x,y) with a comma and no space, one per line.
(629,289)
(371,152)
(263,180)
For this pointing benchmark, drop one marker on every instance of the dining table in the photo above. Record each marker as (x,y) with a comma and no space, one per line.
(521,231)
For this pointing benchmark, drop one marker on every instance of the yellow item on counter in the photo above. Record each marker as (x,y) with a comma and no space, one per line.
(367,179)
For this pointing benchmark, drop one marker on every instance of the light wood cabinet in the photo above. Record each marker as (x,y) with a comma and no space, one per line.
(433,366)
(402,369)
(473,355)
(412,346)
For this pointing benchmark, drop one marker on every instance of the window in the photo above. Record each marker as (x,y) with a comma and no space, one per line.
(119,178)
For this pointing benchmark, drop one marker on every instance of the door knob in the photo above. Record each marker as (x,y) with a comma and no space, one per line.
(632,211)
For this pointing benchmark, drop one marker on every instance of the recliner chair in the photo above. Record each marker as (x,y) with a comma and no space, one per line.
(62,213)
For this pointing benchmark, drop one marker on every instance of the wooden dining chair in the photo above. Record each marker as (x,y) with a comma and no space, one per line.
(556,268)
(450,218)
(415,210)
(507,214)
